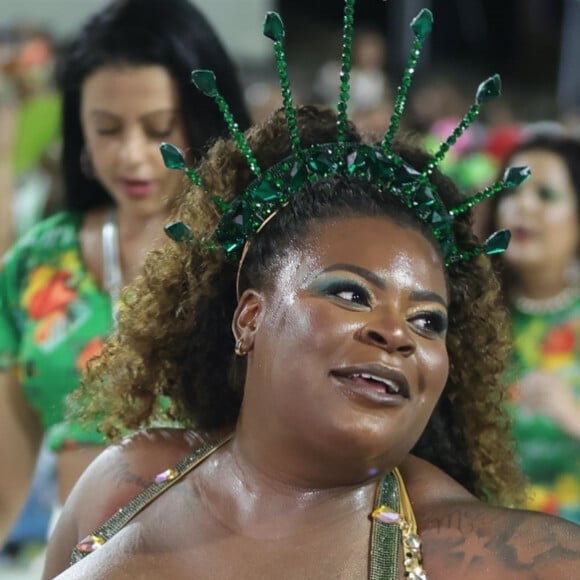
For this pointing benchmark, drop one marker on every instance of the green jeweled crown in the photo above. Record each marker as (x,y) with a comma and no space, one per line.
(380,165)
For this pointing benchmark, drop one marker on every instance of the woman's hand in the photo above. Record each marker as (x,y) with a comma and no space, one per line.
(546,393)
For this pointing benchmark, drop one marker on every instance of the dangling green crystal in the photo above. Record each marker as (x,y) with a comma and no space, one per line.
(205,81)
(488,90)
(497,243)
(422,23)
(515,176)
(178,232)
(172,156)
(274,27)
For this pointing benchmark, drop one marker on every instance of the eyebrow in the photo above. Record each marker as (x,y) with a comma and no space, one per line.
(100,112)
(372,278)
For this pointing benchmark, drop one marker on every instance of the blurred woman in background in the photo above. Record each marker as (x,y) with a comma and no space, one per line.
(125,87)
(541,275)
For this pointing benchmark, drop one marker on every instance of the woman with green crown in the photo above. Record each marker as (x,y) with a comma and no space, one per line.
(331,332)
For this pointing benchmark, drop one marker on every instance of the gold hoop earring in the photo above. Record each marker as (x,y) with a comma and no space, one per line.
(238,348)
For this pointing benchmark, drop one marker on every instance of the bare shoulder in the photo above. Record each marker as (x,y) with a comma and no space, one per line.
(464,537)
(113,479)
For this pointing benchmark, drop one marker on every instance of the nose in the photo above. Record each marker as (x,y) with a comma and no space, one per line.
(527,200)
(389,332)
(134,147)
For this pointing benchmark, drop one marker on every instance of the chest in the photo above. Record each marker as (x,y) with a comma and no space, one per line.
(211,552)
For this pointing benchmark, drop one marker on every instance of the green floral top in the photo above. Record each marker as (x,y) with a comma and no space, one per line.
(550,457)
(53,318)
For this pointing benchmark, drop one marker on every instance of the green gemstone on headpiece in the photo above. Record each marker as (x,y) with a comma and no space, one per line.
(345,71)
(488,90)
(421,26)
(274,27)
(272,189)
(222,205)
(515,176)
(172,156)
(422,23)
(497,243)
(194,176)
(178,232)
(205,81)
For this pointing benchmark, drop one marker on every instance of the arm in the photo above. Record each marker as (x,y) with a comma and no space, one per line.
(475,540)
(8,118)
(113,479)
(20,439)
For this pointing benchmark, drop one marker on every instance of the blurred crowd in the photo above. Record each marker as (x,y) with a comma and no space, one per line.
(541,270)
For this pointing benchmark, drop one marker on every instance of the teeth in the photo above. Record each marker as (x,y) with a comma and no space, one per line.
(389,385)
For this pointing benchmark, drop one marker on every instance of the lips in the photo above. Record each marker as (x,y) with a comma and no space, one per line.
(379,382)
(137,187)
(521,234)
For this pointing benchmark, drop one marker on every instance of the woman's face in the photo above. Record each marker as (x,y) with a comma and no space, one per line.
(349,355)
(542,213)
(126,112)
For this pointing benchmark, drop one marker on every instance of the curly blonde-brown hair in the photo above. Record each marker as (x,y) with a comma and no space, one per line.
(174,340)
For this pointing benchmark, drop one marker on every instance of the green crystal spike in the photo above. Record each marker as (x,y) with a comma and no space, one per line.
(205,81)
(422,24)
(179,232)
(347,33)
(497,243)
(274,29)
(421,27)
(174,158)
(513,177)
(486,91)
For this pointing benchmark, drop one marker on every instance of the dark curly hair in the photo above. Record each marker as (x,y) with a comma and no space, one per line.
(174,338)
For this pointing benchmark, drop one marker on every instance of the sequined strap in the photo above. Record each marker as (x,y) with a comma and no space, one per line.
(385,538)
(394,526)
(162,483)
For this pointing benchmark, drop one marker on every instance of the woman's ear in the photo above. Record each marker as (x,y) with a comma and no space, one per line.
(246,320)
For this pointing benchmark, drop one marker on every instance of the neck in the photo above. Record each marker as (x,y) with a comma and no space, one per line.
(541,283)
(138,235)
(269,491)
(133,225)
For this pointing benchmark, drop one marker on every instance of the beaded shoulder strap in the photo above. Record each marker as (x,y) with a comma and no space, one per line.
(394,525)
(162,483)
(385,539)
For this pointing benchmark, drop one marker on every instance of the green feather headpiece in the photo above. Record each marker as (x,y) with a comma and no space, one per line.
(380,165)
